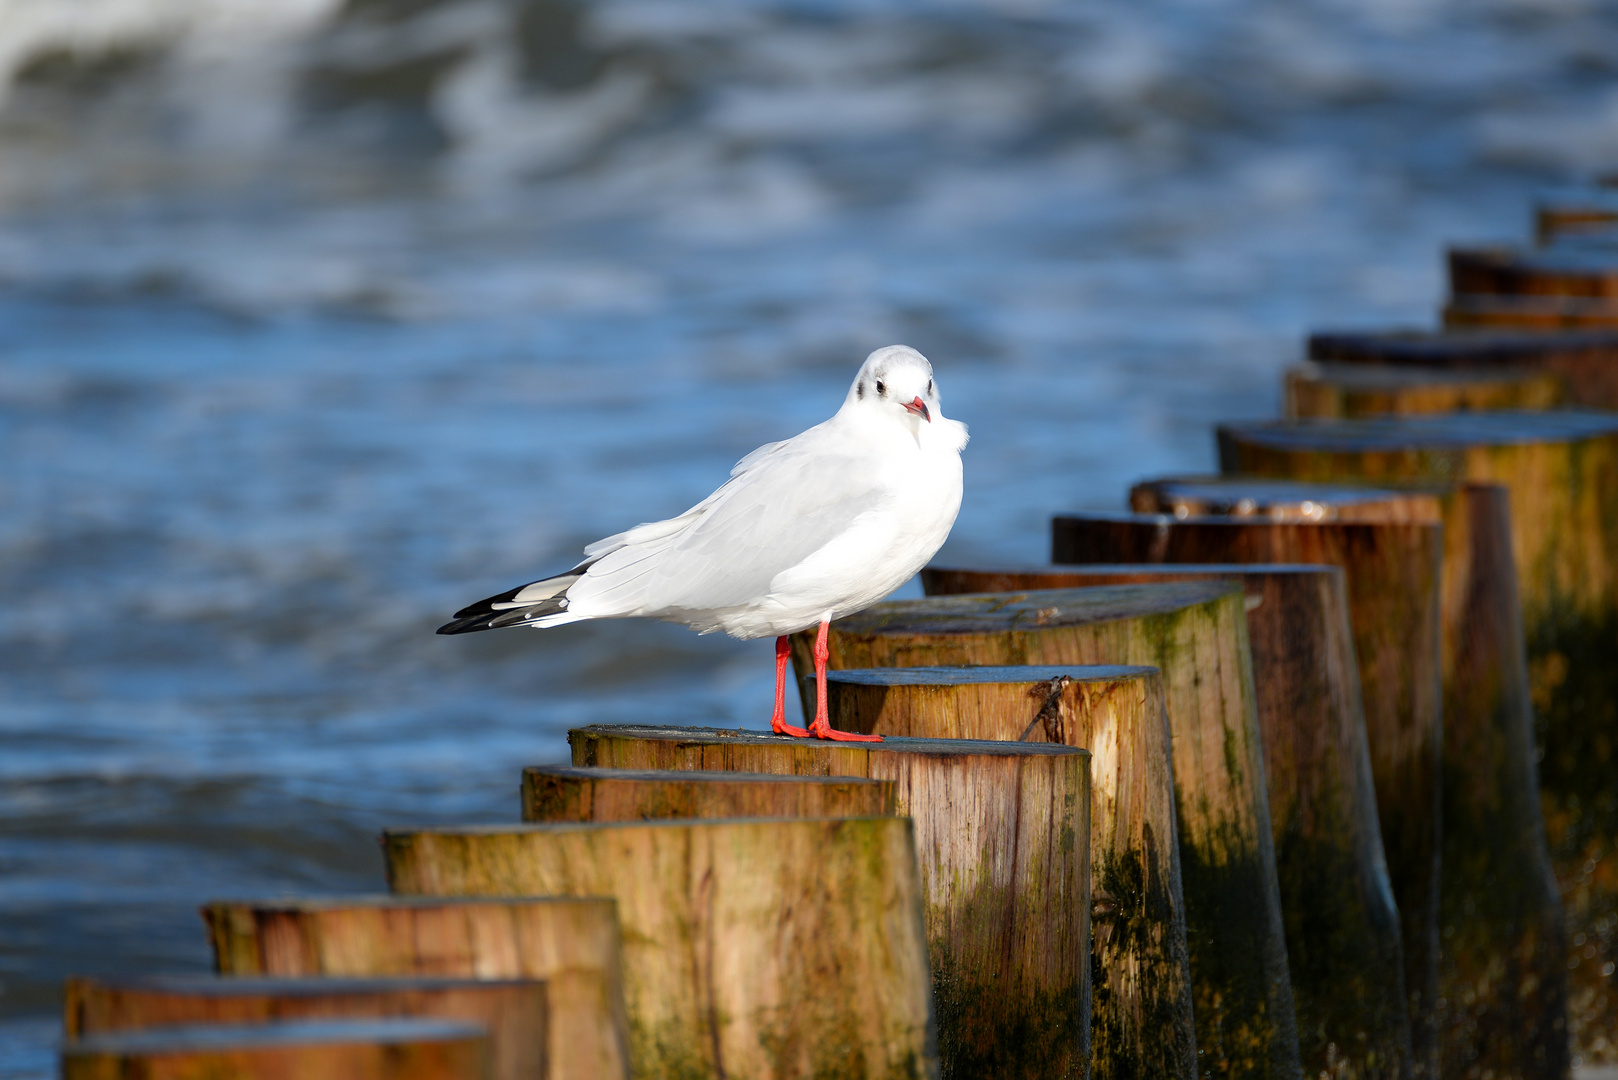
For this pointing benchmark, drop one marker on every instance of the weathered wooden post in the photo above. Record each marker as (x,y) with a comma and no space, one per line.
(1393,599)
(1548,314)
(1196,634)
(774,948)
(310,1050)
(571,944)
(512,1011)
(557,793)
(1585,362)
(1342,926)
(1319,389)
(1574,212)
(1501,922)
(1545,289)
(1002,838)
(1561,469)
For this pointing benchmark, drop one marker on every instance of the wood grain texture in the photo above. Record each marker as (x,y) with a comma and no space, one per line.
(1327,390)
(305,1050)
(1141,1022)
(1502,988)
(1342,926)
(1002,840)
(1561,471)
(513,1011)
(1392,583)
(1585,362)
(1196,634)
(1573,212)
(757,948)
(571,944)
(565,793)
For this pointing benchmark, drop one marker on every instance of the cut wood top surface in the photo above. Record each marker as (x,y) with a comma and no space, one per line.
(1574,270)
(1473,348)
(1056,573)
(1032,610)
(392,900)
(1380,376)
(959,676)
(894,745)
(281,1033)
(285,986)
(1451,431)
(663,776)
(1288,500)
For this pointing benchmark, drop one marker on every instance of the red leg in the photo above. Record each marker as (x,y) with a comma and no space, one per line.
(822,725)
(778,721)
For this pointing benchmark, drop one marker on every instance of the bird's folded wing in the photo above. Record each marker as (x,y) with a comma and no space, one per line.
(784,503)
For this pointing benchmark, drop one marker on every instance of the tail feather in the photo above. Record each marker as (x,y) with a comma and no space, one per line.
(518,606)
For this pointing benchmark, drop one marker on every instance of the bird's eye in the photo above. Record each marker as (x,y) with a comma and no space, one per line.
(880,389)
(929,387)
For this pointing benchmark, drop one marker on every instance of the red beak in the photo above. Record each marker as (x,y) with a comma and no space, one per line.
(920,409)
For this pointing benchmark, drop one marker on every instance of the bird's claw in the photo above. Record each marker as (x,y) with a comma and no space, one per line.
(820,729)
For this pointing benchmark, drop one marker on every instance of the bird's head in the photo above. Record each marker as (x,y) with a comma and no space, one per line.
(897,379)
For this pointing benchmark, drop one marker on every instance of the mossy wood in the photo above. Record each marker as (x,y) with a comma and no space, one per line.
(1342,925)
(513,1011)
(1196,634)
(1392,583)
(571,944)
(1501,991)
(1550,314)
(304,1050)
(1141,1022)
(768,948)
(1561,470)
(1337,390)
(1585,362)
(1580,271)
(1002,840)
(564,793)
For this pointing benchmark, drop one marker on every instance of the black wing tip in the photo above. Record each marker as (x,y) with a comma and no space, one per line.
(466,624)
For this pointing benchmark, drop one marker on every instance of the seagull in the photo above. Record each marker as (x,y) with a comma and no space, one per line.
(805,531)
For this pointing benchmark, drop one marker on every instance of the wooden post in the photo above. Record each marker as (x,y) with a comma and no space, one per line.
(772,948)
(1197,635)
(513,1011)
(1339,390)
(1495,311)
(558,793)
(571,944)
(310,1050)
(1582,272)
(1586,362)
(1394,604)
(1002,839)
(1574,212)
(1501,920)
(1342,925)
(1561,469)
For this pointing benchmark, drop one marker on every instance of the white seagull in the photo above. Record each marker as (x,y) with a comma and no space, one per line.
(805,531)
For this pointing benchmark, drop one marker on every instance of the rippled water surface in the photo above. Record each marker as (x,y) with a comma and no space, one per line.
(319,320)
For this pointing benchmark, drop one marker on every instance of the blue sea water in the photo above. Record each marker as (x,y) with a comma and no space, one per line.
(319,320)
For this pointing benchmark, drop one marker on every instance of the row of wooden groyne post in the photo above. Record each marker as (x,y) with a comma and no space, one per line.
(1305,769)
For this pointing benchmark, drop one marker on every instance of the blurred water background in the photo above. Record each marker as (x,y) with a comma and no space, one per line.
(319,319)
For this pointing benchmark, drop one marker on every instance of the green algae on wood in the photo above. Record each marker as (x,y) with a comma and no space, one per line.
(570,943)
(1342,926)
(1196,634)
(1002,837)
(1392,582)
(1561,470)
(513,1011)
(1140,1020)
(753,947)
(564,793)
